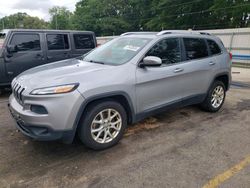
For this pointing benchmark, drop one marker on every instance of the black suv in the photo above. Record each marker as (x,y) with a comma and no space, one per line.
(22,49)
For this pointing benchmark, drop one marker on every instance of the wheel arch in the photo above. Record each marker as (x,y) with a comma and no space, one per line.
(119,96)
(224,78)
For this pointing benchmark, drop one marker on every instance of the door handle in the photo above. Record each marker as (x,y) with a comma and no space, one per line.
(10,73)
(49,57)
(211,63)
(40,56)
(66,54)
(9,55)
(178,70)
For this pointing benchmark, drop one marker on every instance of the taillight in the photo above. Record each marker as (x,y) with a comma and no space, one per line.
(230,55)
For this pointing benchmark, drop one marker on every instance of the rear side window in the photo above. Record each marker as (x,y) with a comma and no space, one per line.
(57,41)
(26,42)
(214,48)
(195,48)
(168,50)
(83,41)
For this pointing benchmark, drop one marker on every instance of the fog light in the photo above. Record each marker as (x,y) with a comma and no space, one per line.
(38,109)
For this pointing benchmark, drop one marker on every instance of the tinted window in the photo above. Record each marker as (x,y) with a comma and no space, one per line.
(26,42)
(168,50)
(195,48)
(213,46)
(58,41)
(83,41)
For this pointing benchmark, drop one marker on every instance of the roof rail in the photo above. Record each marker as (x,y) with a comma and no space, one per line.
(204,33)
(181,32)
(139,33)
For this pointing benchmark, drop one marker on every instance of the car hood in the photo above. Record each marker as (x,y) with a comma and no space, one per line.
(58,73)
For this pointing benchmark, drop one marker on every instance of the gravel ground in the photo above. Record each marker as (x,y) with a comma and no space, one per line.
(180,148)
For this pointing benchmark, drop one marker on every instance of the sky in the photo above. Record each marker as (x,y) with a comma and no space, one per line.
(39,8)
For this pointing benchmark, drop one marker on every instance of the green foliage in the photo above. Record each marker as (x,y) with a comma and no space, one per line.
(61,18)
(22,20)
(113,17)
(108,17)
(234,14)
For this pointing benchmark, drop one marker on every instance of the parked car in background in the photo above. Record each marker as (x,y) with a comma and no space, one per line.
(22,49)
(121,82)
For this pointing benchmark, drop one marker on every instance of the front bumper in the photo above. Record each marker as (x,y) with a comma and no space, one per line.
(56,124)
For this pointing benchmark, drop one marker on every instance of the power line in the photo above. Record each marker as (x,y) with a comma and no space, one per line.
(181,4)
(199,12)
(183,14)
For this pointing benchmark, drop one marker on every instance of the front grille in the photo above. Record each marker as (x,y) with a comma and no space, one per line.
(18,90)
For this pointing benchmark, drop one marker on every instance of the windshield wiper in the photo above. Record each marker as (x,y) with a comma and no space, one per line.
(91,61)
(98,62)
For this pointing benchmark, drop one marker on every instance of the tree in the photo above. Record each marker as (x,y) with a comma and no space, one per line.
(60,18)
(113,17)
(103,17)
(22,20)
(231,13)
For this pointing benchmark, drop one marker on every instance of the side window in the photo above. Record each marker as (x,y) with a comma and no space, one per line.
(83,41)
(57,41)
(26,42)
(168,50)
(213,46)
(195,48)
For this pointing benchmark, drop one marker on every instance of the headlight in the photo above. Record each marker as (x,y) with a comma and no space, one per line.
(55,89)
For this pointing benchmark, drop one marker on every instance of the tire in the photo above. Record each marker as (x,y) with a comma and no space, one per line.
(92,134)
(209,103)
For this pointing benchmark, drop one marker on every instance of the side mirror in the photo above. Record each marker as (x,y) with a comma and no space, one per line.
(11,49)
(151,61)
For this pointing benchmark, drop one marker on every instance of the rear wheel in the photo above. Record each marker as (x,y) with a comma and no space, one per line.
(215,97)
(103,125)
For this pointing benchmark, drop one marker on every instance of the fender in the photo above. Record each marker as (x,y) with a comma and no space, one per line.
(220,74)
(97,97)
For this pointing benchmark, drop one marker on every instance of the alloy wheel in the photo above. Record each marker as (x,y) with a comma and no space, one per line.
(106,126)
(217,96)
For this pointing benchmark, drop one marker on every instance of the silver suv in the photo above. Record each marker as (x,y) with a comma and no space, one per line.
(121,82)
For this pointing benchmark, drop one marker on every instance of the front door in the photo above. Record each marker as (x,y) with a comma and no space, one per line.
(160,86)
(26,53)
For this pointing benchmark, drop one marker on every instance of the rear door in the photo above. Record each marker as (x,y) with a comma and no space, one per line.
(29,53)
(58,47)
(82,43)
(198,68)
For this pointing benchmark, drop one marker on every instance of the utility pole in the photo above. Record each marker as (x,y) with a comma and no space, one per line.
(56,19)
(3,23)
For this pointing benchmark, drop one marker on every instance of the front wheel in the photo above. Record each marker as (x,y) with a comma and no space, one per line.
(103,125)
(215,97)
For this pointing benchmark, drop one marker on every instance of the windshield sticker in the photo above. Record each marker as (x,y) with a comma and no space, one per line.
(132,48)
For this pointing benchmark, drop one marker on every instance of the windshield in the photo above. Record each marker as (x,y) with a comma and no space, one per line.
(117,51)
